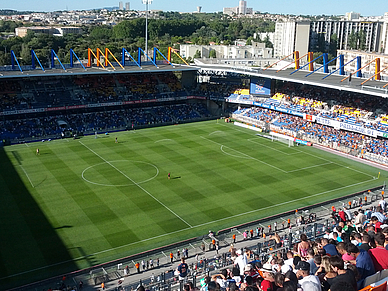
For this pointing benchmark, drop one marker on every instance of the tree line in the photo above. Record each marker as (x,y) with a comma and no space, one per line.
(167,29)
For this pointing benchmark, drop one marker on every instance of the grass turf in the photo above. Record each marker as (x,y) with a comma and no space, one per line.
(87,201)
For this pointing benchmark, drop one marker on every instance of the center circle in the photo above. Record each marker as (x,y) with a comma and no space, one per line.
(120,173)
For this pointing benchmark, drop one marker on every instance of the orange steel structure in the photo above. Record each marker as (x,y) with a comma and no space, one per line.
(97,57)
(296,62)
(377,70)
(100,53)
(310,57)
(107,53)
(170,49)
(280,61)
(377,76)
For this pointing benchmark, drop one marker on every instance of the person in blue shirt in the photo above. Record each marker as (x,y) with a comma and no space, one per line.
(329,248)
(363,262)
(182,269)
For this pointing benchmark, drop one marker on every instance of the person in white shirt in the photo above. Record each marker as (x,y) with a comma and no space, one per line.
(307,282)
(241,261)
(383,205)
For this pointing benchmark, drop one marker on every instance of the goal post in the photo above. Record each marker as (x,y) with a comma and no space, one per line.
(288,140)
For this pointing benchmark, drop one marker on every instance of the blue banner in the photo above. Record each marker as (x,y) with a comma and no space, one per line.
(260,86)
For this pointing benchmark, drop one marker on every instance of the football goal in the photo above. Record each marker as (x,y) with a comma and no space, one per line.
(282,138)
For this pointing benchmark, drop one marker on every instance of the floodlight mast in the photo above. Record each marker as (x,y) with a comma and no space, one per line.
(146,2)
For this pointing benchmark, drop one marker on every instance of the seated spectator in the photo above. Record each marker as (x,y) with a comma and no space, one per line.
(310,260)
(359,220)
(268,283)
(329,248)
(385,232)
(376,223)
(290,259)
(356,239)
(279,280)
(221,279)
(338,266)
(363,262)
(341,249)
(303,246)
(365,242)
(379,254)
(378,213)
(325,273)
(307,281)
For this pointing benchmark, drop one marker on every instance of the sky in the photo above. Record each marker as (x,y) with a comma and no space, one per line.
(297,7)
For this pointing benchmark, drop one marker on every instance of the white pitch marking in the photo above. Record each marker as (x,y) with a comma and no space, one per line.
(286,202)
(177,231)
(271,148)
(236,156)
(110,185)
(246,155)
(118,170)
(166,139)
(215,132)
(28,177)
(355,170)
(305,168)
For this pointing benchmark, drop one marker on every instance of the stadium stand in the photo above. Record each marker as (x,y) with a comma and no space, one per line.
(268,252)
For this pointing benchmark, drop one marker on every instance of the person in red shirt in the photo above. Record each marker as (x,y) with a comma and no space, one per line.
(268,282)
(379,254)
(341,214)
(377,224)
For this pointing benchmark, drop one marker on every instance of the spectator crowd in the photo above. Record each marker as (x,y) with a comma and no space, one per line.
(344,259)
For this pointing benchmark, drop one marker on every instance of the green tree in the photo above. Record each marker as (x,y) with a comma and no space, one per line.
(333,44)
(197,55)
(101,33)
(362,40)
(268,43)
(212,54)
(352,40)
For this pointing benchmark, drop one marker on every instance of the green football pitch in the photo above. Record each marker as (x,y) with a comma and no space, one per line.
(91,200)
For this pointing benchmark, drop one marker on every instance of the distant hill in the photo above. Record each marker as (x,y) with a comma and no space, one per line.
(111,8)
(13,12)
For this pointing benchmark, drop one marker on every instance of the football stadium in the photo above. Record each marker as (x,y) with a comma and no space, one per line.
(105,168)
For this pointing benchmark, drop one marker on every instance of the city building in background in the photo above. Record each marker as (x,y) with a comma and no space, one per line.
(241,9)
(352,15)
(57,31)
(238,51)
(362,34)
(356,34)
(127,6)
(291,36)
(121,5)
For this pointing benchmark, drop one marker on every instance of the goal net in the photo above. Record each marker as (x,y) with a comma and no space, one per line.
(288,140)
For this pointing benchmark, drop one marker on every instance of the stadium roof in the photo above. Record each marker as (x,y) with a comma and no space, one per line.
(371,87)
(95,71)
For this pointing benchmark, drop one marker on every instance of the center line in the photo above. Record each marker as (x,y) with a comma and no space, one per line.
(118,170)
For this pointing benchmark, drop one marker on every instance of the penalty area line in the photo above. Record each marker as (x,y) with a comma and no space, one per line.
(243,154)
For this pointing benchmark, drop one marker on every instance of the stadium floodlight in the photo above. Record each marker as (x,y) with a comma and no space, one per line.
(146,2)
